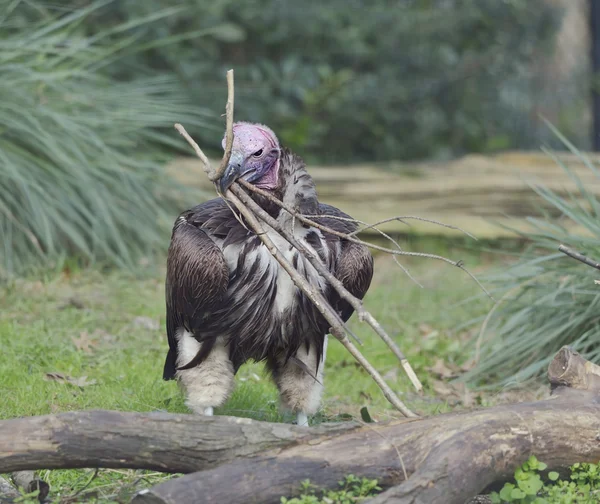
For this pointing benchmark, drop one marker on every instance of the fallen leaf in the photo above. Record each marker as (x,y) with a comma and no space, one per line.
(456,393)
(82,381)
(146,323)
(425,329)
(443,370)
(468,365)
(442,388)
(84,343)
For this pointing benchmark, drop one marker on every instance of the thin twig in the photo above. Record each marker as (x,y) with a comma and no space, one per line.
(346,236)
(333,281)
(205,162)
(400,218)
(382,233)
(579,256)
(228,130)
(376,431)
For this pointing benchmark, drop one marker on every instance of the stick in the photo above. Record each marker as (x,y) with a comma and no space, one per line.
(318,300)
(335,283)
(399,218)
(214,175)
(579,256)
(229,128)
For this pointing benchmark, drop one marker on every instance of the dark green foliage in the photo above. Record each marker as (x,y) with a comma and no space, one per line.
(81,154)
(350,80)
(546,300)
(582,486)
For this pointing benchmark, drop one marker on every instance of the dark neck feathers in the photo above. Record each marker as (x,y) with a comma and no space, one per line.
(295,188)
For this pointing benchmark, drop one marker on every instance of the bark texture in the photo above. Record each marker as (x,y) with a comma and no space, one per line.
(449,458)
(155,441)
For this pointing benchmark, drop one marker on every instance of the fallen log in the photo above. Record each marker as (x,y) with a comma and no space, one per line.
(447,458)
(155,441)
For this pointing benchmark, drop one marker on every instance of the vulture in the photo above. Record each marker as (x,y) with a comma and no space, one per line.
(228,300)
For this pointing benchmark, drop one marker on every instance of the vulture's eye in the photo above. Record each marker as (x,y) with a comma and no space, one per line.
(258,153)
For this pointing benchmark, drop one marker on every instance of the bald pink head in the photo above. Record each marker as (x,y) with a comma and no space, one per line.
(254,156)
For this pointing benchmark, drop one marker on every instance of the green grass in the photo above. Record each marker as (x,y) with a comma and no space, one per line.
(546,299)
(109,327)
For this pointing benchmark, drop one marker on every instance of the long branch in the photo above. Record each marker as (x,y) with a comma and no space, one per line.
(579,256)
(333,281)
(349,237)
(317,299)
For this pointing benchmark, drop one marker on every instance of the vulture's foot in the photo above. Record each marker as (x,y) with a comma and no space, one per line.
(300,382)
(211,382)
(302,419)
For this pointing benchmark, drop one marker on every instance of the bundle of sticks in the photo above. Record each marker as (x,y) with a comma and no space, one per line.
(254,217)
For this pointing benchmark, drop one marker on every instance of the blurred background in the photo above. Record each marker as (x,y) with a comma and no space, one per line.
(476,112)
(479,113)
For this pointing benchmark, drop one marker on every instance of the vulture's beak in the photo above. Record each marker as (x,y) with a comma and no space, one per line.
(233,171)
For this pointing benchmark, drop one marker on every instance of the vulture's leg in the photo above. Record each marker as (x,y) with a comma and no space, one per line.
(300,384)
(209,384)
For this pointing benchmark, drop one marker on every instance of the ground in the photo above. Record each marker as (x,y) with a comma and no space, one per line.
(90,339)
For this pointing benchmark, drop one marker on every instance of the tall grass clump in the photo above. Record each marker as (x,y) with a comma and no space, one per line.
(546,300)
(81,154)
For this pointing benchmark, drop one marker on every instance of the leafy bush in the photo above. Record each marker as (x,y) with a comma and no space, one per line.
(582,487)
(350,81)
(546,300)
(352,490)
(81,154)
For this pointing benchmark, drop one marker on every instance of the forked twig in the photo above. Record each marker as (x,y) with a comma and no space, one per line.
(400,218)
(382,233)
(347,236)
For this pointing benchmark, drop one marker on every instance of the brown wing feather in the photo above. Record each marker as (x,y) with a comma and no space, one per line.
(197,279)
(355,271)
